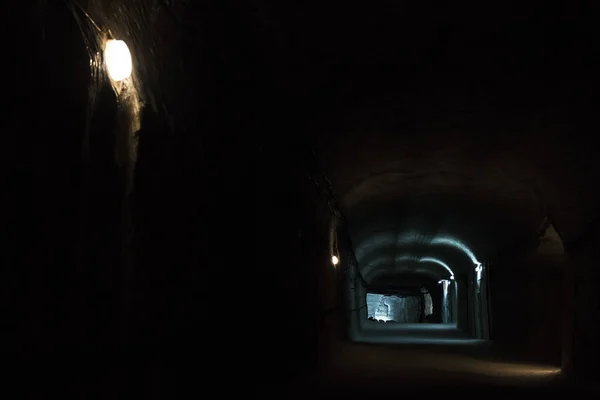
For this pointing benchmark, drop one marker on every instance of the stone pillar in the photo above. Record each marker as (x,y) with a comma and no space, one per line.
(471,299)
(446,298)
(485,308)
(454,303)
(463,311)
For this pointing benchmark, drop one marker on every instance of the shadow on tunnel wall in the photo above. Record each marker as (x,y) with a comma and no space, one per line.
(228,245)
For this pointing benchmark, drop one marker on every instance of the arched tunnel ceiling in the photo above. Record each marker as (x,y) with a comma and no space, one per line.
(514,168)
(435,198)
(439,235)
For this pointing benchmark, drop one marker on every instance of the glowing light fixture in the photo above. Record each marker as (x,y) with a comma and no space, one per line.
(118,60)
(335,260)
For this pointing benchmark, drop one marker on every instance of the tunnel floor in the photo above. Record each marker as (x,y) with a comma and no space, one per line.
(413,334)
(428,359)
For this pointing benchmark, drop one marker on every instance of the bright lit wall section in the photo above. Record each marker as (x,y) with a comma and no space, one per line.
(402,309)
(428,302)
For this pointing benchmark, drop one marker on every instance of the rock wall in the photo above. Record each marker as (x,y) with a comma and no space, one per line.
(394,308)
(584,332)
(527,303)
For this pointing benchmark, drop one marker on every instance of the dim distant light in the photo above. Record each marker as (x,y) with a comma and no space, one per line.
(335,260)
(118,60)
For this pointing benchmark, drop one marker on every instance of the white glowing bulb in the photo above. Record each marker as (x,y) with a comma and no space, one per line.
(335,260)
(118,60)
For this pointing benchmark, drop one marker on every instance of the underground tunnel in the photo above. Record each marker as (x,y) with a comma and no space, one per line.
(302,199)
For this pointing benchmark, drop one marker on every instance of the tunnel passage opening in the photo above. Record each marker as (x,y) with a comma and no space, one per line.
(402,306)
(477,298)
(417,246)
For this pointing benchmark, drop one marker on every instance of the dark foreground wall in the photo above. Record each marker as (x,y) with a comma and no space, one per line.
(228,243)
(230,257)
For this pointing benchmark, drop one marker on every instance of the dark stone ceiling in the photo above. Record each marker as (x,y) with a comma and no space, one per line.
(442,195)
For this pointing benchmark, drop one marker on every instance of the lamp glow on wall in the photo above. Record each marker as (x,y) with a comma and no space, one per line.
(443,264)
(333,243)
(448,241)
(118,60)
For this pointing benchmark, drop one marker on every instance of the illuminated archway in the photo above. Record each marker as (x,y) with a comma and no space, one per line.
(439,262)
(408,258)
